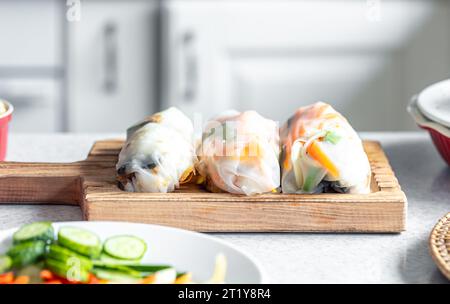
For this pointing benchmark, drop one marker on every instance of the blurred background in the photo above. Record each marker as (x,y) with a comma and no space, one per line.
(99,66)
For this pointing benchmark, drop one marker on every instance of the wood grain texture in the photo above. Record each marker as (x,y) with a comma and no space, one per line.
(91,184)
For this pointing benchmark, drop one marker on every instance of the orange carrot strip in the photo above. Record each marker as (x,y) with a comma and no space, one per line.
(53,282)
(46,275)
(148,280)
(22,280)
(6,278)
(184,279)
(316,152)
(94,280)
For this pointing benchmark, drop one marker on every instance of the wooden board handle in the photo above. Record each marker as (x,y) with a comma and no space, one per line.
(41,182)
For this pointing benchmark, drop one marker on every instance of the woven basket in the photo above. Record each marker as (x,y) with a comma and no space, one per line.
(440,245)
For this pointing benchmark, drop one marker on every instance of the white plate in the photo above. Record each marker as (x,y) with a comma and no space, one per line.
(434,102)
(185,250)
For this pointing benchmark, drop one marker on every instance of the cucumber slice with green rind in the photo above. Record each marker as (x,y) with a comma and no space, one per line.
(114,276)
(115,267)
(34,231)
(67,270)
(80,240)
(138,270)
(27,253)
(106,258)
(125,247)
(65,255)
(5,263)
(147,270)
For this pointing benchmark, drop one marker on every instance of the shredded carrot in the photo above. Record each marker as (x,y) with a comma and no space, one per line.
(53,282)
(46,275)
(316,152)
(6,278)
(148,280)
(94,280)
(184,279)
(22,280)
(250,151)
(301,130)
(66,281)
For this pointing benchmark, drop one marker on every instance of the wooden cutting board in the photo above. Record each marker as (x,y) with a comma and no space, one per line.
(91,185)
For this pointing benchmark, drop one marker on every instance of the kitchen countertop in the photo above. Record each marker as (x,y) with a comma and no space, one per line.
(298,257)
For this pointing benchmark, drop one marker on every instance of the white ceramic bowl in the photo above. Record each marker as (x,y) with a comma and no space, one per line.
(434,102)
(185,250)
(431,111)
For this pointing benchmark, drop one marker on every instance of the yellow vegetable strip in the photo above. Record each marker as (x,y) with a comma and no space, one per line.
(187,175)
(184,279)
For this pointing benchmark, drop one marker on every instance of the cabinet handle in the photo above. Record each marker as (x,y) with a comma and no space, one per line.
(189,57)
(110,57)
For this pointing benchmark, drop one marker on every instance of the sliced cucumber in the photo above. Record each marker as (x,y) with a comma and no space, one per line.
(106,258)
(34,231)
(147,270)
(65,255)
(115,267)
(5,263)
(27,253)
(115,276)
(80,240)
(67,270)
(125,247)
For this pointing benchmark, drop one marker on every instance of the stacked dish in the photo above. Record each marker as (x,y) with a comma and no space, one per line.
(431,111)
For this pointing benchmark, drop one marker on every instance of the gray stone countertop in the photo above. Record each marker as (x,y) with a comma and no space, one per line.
(298,257)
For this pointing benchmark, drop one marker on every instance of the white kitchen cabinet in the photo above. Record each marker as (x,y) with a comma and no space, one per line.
(110,69)
(274,56)
(30,33)
(36,101)
(31,59)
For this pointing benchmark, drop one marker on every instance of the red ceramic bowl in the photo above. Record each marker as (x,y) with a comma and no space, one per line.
(441,142)
(4,121)
(439,134)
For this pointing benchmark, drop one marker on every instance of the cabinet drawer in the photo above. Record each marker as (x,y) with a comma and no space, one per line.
(36,103)
(274,56)
(110,65)
(30,33)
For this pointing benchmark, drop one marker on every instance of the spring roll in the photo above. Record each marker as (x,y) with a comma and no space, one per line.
(158,154)
(239,154)
(321,152)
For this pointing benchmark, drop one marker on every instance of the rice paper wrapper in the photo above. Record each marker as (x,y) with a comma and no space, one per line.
(239,154)
(158,154)
(321,152)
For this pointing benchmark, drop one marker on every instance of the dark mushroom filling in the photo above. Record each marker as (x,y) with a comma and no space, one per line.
(123,178)
(331,187)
